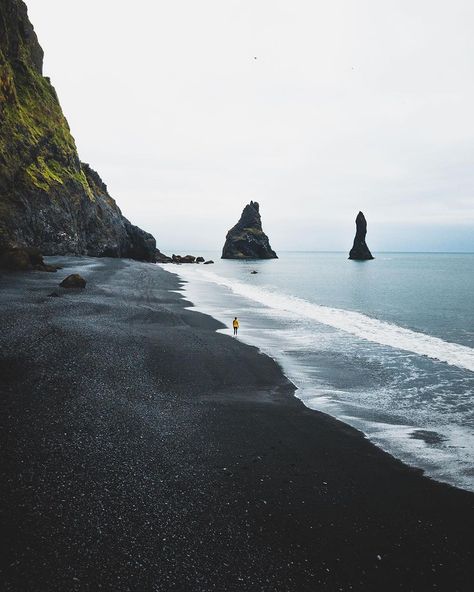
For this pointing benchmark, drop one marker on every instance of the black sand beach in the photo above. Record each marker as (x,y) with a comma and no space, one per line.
(143,451)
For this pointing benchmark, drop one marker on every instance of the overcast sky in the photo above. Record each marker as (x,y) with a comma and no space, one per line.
(350,104)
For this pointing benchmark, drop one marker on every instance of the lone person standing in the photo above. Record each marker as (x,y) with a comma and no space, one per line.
(235,324)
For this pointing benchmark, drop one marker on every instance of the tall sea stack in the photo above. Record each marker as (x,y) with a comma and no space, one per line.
(48,198)
(360,251)
(246,240)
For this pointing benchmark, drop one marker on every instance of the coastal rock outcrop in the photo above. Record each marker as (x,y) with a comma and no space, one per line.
(183,259)
(360,251)
(246,240)
(178,259)
(49,199)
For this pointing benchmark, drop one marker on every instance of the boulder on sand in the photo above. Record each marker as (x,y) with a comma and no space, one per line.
(73,281)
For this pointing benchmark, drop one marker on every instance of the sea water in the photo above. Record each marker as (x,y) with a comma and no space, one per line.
(386,346)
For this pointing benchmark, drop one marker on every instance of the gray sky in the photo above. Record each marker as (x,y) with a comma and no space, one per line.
(350,104)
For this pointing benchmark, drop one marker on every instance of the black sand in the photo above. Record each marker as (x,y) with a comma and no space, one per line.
(143,451)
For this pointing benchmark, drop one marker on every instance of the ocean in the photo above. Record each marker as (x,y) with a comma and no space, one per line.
(386,346)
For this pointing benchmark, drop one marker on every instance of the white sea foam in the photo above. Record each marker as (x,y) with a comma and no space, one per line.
(352,322)
(411,396)
(389,411)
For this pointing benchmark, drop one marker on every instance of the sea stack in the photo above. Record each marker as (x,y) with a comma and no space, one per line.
(360,251)
(49,199)
(246,240)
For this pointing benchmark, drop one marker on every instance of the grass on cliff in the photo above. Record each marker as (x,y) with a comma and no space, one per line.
(36,145)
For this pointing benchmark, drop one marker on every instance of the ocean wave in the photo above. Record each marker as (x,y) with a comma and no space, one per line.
(352,322)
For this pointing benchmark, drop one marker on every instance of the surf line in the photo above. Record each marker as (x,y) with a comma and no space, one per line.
(352,322)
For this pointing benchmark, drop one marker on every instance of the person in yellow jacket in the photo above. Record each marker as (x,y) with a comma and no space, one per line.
(235,324)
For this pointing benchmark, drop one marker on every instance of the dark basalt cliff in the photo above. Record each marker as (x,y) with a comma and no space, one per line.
(246,240)
(360,251)
(48,198)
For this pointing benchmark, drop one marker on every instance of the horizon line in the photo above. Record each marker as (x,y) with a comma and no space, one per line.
(345,251)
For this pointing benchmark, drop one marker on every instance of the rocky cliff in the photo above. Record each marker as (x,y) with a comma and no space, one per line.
(48,198)
(360,251)
(246,240)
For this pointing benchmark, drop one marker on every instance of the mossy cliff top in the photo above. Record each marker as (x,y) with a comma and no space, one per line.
(48,199)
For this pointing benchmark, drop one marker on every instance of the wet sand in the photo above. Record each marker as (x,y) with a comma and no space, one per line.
(143,451)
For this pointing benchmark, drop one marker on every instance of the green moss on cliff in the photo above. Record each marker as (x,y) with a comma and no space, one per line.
(42,176)
(37,149)
(48,199)
(7,84)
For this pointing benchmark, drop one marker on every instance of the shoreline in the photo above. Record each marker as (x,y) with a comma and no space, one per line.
(413,443)
(408,465)
(144,450)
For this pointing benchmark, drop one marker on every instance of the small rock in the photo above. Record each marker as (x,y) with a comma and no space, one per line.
(253,272)
(53,295)
(210,262)
(200,260)
(73,281)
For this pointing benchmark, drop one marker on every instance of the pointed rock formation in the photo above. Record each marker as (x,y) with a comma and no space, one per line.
(246,240)
(49,199)
(360,250)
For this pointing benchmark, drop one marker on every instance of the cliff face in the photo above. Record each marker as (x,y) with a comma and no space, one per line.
(360,251)
(48,198)
(246,240)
